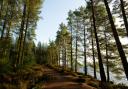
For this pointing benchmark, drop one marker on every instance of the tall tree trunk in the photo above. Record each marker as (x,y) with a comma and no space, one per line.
(9,23)
(65,54)
(76,48)
(93,53)
(107,62)
(59,57)
(71,51)
(61,53)
(63,57)
(124,16)
(1,6)
(4,24)
(20,40)
(102,72)
(24,38)
(8,30)
(118,43)
(1,9)
(85,60)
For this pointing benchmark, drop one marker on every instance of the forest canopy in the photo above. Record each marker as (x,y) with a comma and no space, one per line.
(91,40)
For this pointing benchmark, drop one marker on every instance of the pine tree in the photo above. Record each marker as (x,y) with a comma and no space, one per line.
(118,43)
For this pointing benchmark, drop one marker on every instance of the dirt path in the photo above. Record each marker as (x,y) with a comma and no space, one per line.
(61,81)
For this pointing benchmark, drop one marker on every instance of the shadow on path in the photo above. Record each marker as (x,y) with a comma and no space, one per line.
(62,81)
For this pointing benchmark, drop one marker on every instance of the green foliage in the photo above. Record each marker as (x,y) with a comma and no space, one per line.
(8,86)
(93,84)
(120,86)
(5,66)
(19,18)
(29,60)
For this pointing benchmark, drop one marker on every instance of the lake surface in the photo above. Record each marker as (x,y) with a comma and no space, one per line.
(112,78)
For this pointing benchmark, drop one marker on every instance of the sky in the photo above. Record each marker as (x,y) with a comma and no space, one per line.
(53,12)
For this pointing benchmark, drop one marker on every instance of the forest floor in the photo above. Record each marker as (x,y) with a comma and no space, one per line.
(61,81)
(51,77)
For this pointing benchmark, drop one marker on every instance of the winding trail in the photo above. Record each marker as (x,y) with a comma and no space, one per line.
(62,81)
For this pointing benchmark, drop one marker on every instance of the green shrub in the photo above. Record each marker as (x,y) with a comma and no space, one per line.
(29,60)
(5,66)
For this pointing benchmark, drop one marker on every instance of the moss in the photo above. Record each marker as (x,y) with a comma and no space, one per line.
(80,79)
(8,86)
(74,74)
(93,84)
(120,86)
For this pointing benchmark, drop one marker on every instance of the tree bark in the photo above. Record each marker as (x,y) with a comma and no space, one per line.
(5,23)
(93,53)
(116,37)
(124,16)
(76,48)
(24,38)
(102,72)
(71,51)
(107,62)
(85,60)
(20,40)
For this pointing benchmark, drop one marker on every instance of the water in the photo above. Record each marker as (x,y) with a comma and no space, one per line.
(112,78)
